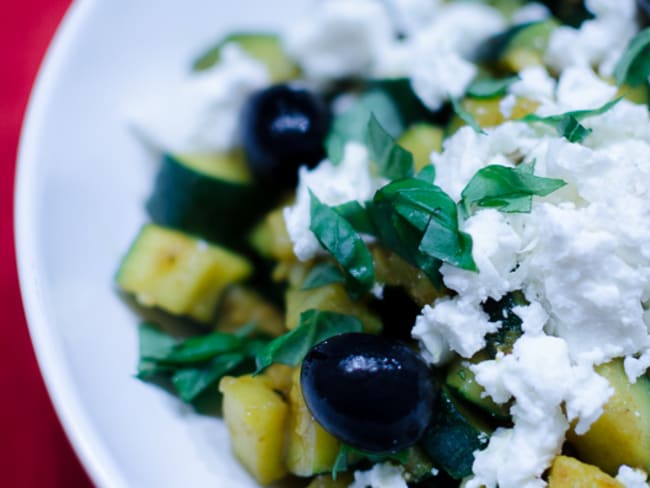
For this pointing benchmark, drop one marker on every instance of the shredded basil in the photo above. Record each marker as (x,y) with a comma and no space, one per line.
(568,124)
(490,87)
(351,124)
(392,160)
(349,455)
(633,68)
(314,327)
(321,275)
(507,189)
(195,364)
(467,117)
(343,242)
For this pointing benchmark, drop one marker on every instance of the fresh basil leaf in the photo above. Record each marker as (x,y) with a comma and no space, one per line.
(490,87)
(340,239)
(452,246)
(357,216)
(314,327)
(321,275)
(349,455)
(568,124)
(153,343)
(633,68)
(428,173)
(351,125)
(572,130)
(246,330)
(201,348)
(393,161)
(467,117)
(507,189)
(191,382)
(434,214)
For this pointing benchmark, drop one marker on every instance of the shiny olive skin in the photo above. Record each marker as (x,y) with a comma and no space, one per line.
(283,128)
(373,393)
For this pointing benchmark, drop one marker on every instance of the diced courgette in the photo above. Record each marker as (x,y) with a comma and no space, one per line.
(241,305)
(270,237)
(213,196)
(266,48)
(311,450)
(568,472)
(333,298)
(622,433)
(461,380)
(453,436)
(421,140)
(256,417)
(178,273)
(487,112)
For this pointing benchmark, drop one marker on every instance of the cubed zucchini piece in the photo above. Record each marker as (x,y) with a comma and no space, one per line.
(256,417)
(487,112)
(622,433)
(461,380)
(311,449)
(568,472)
(528,46)
(213,195)
(392,270)
(343,480)
(241,305)
(266,48)
(421,140)
(453,436)
(332,298)
(178,273)
(271,239)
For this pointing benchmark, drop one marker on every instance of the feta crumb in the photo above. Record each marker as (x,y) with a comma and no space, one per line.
(321,42)
(383,475)
(351,179)
(507,105)
(440,65)
(534,84)
(598,42)
(530,12)
(632,478)
(541,378)
(202,113)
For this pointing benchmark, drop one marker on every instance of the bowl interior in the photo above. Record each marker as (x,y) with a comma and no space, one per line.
(82,182)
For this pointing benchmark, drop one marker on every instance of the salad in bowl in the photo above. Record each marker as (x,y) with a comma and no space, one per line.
(403,243)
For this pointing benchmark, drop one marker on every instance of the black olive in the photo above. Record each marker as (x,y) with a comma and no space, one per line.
(644,10)
(284,127)
(398,312)
(373,393)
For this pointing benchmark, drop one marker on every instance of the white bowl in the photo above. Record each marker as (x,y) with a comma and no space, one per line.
(82,180)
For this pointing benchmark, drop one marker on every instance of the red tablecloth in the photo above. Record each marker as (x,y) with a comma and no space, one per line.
(34,451)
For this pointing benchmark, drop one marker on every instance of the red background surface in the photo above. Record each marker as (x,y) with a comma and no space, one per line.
(34,451)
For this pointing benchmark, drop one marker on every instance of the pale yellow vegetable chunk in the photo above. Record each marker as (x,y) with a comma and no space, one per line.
(568,472)
(311,449)
(622,433)
(256,417)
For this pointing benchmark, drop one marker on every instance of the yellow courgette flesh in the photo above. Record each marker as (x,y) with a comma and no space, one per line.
(567,472)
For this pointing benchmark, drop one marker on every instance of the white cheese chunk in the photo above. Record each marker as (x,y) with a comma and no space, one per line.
(382,475)
(632,478)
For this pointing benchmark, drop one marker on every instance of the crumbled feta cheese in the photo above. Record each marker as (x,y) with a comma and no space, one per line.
(580,89)
(632,478)
(507,105)
(382,475)
(530,12)
(203,113)
(342,39)
(535,84)
(541,378)
(351,179)
(440,65)
(598,42)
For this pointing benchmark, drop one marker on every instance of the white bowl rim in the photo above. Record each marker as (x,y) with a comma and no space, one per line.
(85,439)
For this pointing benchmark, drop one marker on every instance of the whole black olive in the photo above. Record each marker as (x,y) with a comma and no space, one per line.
(644,10)
(284,127)
(373,393)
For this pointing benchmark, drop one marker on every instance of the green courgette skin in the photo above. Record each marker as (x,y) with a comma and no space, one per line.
(453,436)
(215,209)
